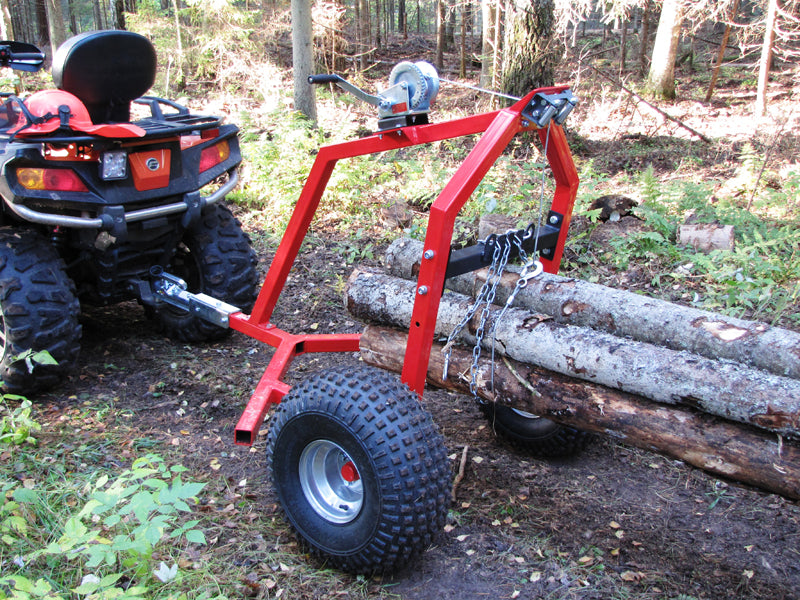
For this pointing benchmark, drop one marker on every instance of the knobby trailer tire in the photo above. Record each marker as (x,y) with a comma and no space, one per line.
(38,311)
(534,435)
(360,469)
(214,258)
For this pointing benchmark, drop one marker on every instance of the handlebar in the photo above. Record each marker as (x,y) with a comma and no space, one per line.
(20,56)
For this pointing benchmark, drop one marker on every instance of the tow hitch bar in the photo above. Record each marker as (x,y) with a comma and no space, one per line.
(173,290)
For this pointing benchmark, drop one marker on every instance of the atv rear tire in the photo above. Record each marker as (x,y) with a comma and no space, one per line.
(214,258)
(38,311)
(535,435)
(360,468)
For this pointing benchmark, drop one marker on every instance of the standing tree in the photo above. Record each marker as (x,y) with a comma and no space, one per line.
(765,62)
(440,34)
(303,58)
(56,24)
(529,56)
(6,31)
(488,14)
(661,79)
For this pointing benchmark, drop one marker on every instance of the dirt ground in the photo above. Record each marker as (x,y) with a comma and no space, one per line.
(611,522)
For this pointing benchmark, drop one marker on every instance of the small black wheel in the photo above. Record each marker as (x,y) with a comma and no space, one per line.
(533,434)
(360,469)
(214,258)
(38,311)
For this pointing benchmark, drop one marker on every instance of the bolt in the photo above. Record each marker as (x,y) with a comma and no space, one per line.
(546,251)
(422,290)
(429,254)
(553,219)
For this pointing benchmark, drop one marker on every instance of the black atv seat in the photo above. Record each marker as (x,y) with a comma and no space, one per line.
(106,70)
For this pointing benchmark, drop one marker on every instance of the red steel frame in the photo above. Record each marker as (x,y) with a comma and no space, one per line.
(498,128)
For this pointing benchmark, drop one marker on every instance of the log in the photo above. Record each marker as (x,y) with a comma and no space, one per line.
(719,387)
(719,447)
(625,314)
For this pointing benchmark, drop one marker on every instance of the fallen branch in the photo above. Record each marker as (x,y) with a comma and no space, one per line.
(460,475)
(719,447)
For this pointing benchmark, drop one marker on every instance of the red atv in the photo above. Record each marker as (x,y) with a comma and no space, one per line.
(99,207)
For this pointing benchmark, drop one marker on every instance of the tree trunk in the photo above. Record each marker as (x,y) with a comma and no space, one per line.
(721,54)
(661,79)
(440,34)
(529,49)
(496,49)
(6,29)
(488,13)
(765,61)
(41,25)
(623,47)
(721,448)
(56,24)
(624,314)
(179,78)
(98,10)
(303,58)
(462,71)
(363,33)
(723,388)
(118,14)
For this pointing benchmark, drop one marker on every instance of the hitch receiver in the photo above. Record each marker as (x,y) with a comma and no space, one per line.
(173,290)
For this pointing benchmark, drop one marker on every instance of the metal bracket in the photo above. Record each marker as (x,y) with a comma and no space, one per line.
(544,108)
(472,258)
(173,290)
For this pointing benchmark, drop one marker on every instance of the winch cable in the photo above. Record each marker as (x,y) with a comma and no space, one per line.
(478,89)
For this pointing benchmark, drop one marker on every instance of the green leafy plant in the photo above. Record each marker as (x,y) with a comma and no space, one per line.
(106,548)
(17,424)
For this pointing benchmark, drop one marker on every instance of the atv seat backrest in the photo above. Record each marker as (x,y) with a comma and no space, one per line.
(106,70)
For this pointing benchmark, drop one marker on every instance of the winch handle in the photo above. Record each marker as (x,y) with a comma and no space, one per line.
(346,86)
(324,78)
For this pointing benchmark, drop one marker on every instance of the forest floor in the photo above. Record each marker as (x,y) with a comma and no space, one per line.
(612,522)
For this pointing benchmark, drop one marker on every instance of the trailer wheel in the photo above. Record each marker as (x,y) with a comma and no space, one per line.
(38,311)
(214,258)
(360,469)
(533,434)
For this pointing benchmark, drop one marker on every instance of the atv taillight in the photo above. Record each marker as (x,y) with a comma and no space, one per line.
(57,180)
(213,155)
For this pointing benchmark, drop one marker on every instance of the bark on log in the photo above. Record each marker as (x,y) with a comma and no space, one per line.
(625,314)
(719,387)
(722,448)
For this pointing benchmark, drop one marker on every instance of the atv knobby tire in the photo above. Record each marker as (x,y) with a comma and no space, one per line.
(360,469)
(534,435)
(38,311)
(214,258)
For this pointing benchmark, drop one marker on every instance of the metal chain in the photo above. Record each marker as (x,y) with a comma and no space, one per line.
(476,350)
(485,295)
(488,291)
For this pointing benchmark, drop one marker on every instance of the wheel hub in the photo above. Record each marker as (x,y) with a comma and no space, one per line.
(331,482)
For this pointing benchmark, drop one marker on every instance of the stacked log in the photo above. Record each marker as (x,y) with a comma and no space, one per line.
(688,383)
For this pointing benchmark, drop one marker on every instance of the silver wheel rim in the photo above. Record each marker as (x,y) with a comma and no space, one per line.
(333,496)
(524,414)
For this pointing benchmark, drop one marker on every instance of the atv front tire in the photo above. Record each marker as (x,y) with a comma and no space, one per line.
(38,311)
(214,258)
(360,469)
